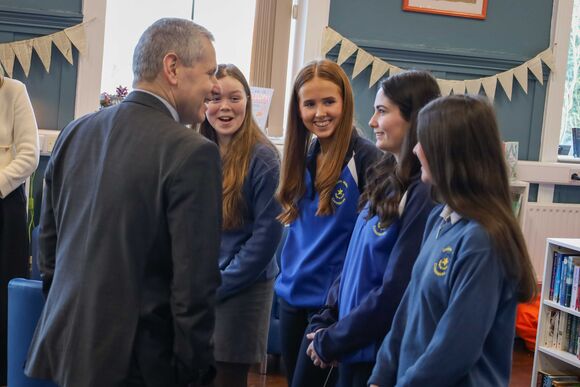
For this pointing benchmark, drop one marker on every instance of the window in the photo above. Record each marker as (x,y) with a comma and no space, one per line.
(125,21)
(232,24)
(571,105)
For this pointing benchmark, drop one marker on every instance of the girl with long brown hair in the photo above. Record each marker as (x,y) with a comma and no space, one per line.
(250,232)
(385,241)
(455,324)
(319,191)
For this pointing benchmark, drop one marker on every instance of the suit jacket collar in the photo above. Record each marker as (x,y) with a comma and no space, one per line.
(147,100)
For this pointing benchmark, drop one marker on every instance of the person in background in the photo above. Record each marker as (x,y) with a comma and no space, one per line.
(250,230)
(386,238)
(130,229)
(19,155)
(473,267)
(319,190)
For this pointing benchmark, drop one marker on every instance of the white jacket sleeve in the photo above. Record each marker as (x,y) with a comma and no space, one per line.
(24,147)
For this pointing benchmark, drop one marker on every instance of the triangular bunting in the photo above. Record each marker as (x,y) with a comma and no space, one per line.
(506,80)
(380,67)
(473,86)
(62,42)
(347,48)
(521,74)
(7,58)
(43,47)
(363,60)
(23,51)
(78,37)
(395,70)
(547,57)
(489,85)
(444,86)
(458,87)
(329,40)
(535,66)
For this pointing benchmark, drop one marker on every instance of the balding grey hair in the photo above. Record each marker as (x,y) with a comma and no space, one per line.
(180,36)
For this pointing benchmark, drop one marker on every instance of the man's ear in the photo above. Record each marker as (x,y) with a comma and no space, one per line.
(170,62)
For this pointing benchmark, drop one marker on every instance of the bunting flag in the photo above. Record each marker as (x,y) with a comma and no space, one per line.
(489,85)
(363,60)
(330,39)
(458,87)
(347,48)
(521,74)
(473,86)
(444,86)
(7,58)
(61,42)
(506,80)
(536,69)
(22,50)
(380,67)
(43,47)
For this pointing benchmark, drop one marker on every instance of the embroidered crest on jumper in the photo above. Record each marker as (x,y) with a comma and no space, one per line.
(440,267)
(339,196)
(379,230)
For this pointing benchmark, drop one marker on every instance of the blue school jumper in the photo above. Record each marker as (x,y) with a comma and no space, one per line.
(247,253)
(315,246)
(455,325)
(369,245)
(376,273)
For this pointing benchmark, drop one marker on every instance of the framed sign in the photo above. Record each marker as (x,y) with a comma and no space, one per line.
(474,9)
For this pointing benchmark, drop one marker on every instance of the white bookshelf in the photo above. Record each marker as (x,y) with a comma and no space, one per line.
(550,359)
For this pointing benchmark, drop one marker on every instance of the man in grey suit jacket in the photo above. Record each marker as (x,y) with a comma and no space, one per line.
(130,227)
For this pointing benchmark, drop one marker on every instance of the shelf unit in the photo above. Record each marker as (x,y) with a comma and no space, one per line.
(550,359)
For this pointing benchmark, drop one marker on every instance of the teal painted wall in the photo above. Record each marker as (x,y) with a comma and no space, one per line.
(454,48)
(457,48)
(52,94)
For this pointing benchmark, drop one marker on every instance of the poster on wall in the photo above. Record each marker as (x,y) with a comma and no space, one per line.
(261,100)
(474,9)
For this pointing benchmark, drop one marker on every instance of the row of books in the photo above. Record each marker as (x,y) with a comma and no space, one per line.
(565,279)
(547,379)
(561,332)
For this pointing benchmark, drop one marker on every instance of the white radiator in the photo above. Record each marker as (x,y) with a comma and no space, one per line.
(548,220)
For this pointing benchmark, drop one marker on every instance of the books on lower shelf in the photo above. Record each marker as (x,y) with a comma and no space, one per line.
(561,332)
(547,379)
(565,279)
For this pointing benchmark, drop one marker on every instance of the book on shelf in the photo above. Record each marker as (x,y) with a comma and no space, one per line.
(547,379)
(561,332)
(565,280)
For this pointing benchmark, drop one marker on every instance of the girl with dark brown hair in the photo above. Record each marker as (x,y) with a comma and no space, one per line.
(455,324)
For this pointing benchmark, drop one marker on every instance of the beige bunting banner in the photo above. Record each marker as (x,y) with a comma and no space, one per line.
(42,45)
(380,67)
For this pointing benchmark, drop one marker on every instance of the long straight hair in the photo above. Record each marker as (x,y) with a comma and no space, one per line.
(298,138)
(461,142)
(238,154)
(387,180)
